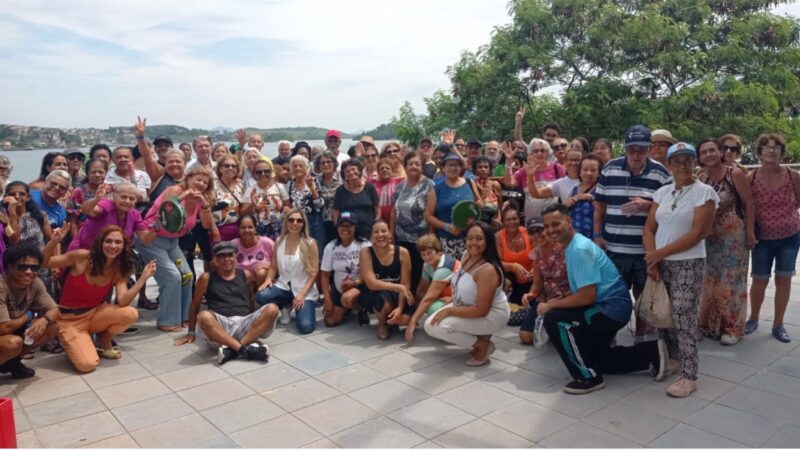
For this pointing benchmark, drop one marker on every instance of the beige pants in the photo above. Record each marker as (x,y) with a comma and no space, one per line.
(75,332)
(464,332)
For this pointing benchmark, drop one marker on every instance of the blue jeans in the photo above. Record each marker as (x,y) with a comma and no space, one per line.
(173,276)
(782,251)
(316,228)
(305,318)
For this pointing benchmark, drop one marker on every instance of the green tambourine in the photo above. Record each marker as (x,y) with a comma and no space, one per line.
(465,213)
(171,215)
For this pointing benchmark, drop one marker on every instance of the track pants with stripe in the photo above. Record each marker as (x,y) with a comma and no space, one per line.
(582,337)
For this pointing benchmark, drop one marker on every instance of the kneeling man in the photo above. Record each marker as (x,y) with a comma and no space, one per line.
(229,322)
(582,325)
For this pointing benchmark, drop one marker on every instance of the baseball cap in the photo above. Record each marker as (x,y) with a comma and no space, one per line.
(367,139)
(162,138)
(473,143)
(346,216)
(73,151)
(681,148)
(428,140)
(333,133)
(534,225)
(224,247)
(637,135)
(451,157)
(662,136)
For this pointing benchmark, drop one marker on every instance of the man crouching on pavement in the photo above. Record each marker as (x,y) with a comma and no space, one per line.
(229,322)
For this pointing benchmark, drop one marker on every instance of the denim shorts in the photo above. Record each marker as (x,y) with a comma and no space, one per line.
(632,269)
(782,251)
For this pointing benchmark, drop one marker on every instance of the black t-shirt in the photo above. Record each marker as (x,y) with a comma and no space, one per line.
(429,169)
(518,195)
(361,205)
(228,297)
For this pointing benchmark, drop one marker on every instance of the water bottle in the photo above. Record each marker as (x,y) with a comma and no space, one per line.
(28,340)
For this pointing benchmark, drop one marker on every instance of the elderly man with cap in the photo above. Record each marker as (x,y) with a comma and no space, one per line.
(425,149)
(229,324)
(161,145)
(473,151)
(75,159)
(661,140)
(333,139)
(623,198)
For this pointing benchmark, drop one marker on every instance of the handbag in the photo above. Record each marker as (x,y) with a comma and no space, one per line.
(653,305)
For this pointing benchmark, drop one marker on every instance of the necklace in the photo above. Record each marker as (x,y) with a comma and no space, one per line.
(676,198)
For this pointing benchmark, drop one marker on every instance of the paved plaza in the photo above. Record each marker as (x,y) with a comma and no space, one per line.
(342,387)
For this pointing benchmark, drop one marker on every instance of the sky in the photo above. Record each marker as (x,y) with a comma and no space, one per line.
(345,64)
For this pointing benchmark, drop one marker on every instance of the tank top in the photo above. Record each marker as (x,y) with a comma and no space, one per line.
(161,185)
(79,293)
(151,220)
(390,273)
(446,198)
(465,290)
(776,210)
(292,274)
(228,297)
(521,257)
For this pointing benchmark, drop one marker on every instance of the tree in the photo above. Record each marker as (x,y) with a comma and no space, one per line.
(696,67)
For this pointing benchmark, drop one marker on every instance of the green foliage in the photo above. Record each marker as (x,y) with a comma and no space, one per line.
(382,132)
(696,67)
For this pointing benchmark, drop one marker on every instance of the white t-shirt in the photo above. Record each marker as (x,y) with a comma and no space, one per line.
(342,261)
(276,189)
(674,223)
(562,187)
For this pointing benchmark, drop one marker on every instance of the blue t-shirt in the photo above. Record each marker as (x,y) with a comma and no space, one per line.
(446,198)
(57,214)
(587,264)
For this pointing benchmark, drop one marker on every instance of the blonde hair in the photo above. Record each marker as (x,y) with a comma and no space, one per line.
(206,172)
(305,239)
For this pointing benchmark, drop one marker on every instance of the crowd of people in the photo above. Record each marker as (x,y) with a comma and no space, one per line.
(568,236)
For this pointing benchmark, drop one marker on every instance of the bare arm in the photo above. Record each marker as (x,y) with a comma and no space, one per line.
(197,299)
(430,213)
(584,297)
(151,165)
(368,274)
(487,280)
(124,295)
(748,207)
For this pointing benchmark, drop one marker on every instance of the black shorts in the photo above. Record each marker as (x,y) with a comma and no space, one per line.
(632,269)
(374,301)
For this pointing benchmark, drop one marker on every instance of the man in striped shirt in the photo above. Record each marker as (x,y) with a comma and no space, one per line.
(621,205)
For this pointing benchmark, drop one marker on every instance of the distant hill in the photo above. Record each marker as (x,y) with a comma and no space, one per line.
(382,132)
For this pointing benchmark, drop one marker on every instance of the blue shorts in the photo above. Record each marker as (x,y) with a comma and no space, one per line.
(782,251)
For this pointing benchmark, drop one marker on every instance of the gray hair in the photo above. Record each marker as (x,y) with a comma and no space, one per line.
(326,154)
(201,138)
(298,158)
(127,186)
(61,174)
(543,143)
(173,151)
(284,143)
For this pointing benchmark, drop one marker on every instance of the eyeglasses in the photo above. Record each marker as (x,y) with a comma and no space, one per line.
(26,267)
(636,150)
(732,148)
(371,155)
(389,152)
(262,172)
(539,150)
(294,220)
(230,166)
(773,148)
(226,255)
(325,163)
(57,186)
(560,147)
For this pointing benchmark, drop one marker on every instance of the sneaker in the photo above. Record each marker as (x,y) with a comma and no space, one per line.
(254,352)
(363,318)
(579,387)
(131,331)
(18,370)
(285,317)
(660,368)
(750,326)
(780,334)
(225,354)
(729,339)
(682,387)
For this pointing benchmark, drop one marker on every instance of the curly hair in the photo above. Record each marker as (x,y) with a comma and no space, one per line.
(125,263)
(206,172)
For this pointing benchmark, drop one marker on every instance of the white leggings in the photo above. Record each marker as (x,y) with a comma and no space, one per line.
(463,332)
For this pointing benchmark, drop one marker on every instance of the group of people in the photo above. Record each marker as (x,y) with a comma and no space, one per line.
(567,236)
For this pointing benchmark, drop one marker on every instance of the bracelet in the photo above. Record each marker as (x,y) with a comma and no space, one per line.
(49,320)
(190,333)
(139,138)
(597,235)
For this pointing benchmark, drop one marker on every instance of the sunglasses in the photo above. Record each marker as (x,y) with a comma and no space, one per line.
(76,156)
(371,156)
(262,172)
(26,267)
(294,220)
(230,166)
(731,148)
(560,147)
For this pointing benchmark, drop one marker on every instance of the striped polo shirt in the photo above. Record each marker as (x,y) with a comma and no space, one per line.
(623,234)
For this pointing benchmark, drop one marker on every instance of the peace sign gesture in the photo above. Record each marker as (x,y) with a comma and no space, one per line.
(138,128)
(520,114)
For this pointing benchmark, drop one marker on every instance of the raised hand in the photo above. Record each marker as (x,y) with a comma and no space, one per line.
(508,150)
(58,235)
(149,270)
(520,114)
(102,191)
(448,137)
(241,137)
(138,128)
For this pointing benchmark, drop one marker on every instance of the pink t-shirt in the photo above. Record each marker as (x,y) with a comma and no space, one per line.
(255,257)
(91,228)
(151,219)
(552,172)
(386,190)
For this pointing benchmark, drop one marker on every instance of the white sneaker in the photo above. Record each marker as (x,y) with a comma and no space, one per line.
(285,317)
(729,339)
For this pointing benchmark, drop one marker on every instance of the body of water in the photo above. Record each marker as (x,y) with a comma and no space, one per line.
(28,162)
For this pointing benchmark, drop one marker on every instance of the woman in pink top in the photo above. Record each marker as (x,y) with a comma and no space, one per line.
(776,194)
(101,212)
(255,252)
(386,187)
(539,169)
(174,277)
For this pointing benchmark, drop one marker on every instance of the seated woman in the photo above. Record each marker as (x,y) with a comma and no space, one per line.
(549,278)
(434,287)
(254,252)
(91,277)
(479,308)
(514,247)
(295,264)
(386,274)
(340,259)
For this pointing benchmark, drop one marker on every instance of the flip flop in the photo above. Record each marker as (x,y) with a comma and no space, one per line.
(170,329)
(110,353)
(473,362)
(384,332)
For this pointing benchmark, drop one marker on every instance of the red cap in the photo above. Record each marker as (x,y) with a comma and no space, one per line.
(333,133)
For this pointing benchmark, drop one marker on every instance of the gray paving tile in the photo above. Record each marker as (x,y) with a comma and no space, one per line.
(776,383)
(575,406)
(341,335)
(388,396)
(433,379)
(215,393)
(270,377)
(320,362)
(121,441)
(740,426)
(480,434)
(154,411)
(21,421)
(529,420)
(50,367)
(377,433)
(518,382)
(322,443)
(684,436)
(188,431)
(457,365)
(653,398)
(351,378)
(159,365)
(710,388)
(368,349)
(630,422)
(434,352)
(477,398)
(61,409)
(548,364)
(292,350)
(300,394)
(109,376)
(192,376)
(765,404)
(396,363)
(152,346)
(787,365)
(335,414)
(725,369)
(42,391)
(242,413)
(514,353)
(81,431)
(28,439)
(282,432)
(431,417)
(583,435)
(428,444)
(744,354)
(132,392)
(787,437)
(621,385)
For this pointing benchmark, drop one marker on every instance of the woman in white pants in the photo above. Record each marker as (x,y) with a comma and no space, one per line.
(479,308)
